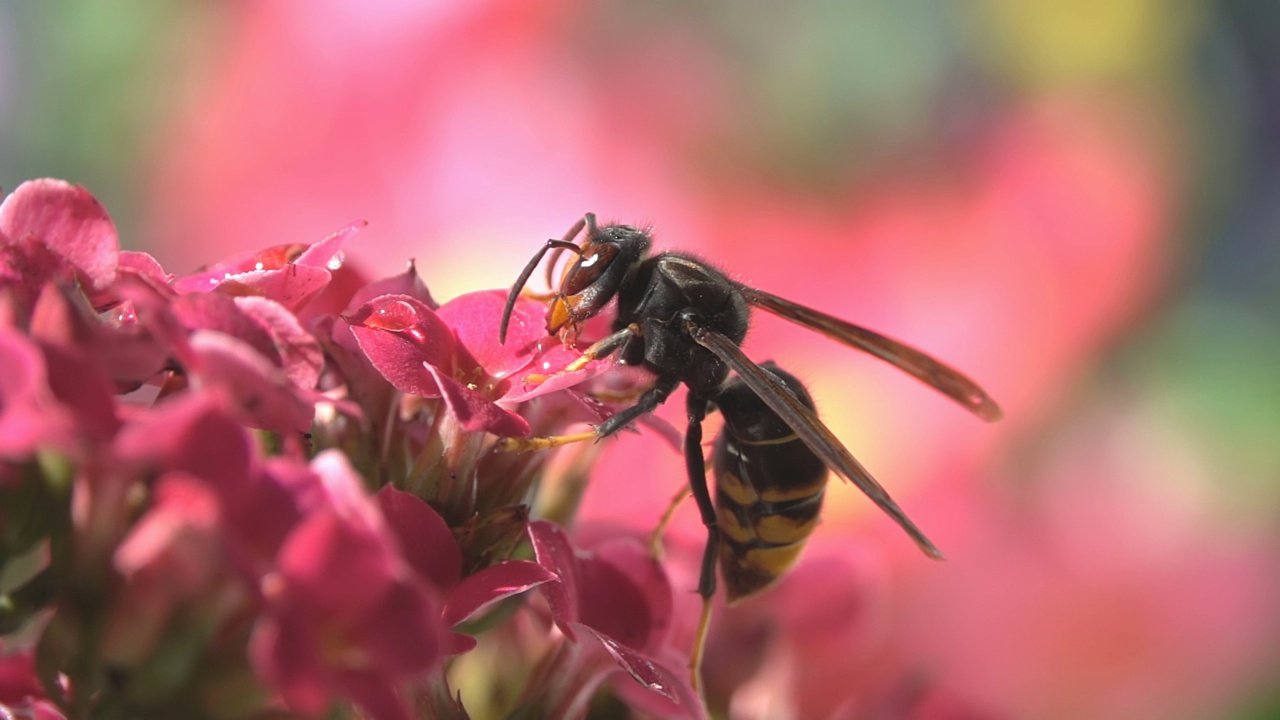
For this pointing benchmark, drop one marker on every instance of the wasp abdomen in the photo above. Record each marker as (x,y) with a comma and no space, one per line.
(769,491)
(760,543)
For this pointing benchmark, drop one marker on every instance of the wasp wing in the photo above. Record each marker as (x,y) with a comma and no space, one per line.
(812,432)
(945,379)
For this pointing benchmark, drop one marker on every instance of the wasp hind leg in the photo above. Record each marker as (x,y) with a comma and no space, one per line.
(655,540)
(696,466)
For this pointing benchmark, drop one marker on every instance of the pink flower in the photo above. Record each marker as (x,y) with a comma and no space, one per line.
(292,275)
(454,354)
(119,346)
(21,694)
(614,604)
(50,397)
(346,615)
(234,330)
(430,548)
(172,532)
(259,502)
(175,567)
(66,220)
(191,434)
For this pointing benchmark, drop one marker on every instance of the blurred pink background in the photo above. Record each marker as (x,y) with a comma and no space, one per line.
(1070,205)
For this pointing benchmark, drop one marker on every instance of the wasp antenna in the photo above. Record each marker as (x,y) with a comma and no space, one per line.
(524,278)
(567,237)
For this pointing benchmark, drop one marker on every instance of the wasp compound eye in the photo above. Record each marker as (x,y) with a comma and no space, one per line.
(589,268)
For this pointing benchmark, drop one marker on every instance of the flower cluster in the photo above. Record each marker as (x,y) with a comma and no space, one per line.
(271,489)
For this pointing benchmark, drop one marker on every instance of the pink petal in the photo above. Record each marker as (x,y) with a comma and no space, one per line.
(46,710)
(336,567)
(672,668)
(70,221)
(79,384)
(293,286)
(553,551)
(643,669)
(400,335)
(425,540)
(283,651)
(486,587)
(344,282)
(612,603)
(406,283)
(182,508)
(322,253)
(404,634)
(270,273)
(259,389)
(546,375)
(298,349)
(51,396)
(262,509)
(274,257)
(124,354)
(363,380)
(18,680)
(342,581)
(193,434)
(625,593)
(456,643)
(475,318)
(474,411)
(26,265)
(144,267)
(215,311)
(24,422)
(344,492)
(532,360)
(271,259)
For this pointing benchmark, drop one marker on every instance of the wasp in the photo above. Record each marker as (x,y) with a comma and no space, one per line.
(684,320)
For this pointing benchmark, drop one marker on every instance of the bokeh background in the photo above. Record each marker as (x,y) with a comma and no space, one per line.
(1078,203)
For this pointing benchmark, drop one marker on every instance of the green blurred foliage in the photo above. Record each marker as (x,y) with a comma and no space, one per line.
(88,88)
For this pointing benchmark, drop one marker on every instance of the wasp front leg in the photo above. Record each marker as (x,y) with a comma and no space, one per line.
(649,401)
(604,347)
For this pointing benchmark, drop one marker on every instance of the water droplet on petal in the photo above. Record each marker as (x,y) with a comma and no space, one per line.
(335,262)
(396,316)
(126,314)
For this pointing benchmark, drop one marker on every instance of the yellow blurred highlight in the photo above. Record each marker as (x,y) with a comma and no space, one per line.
(1081,41)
